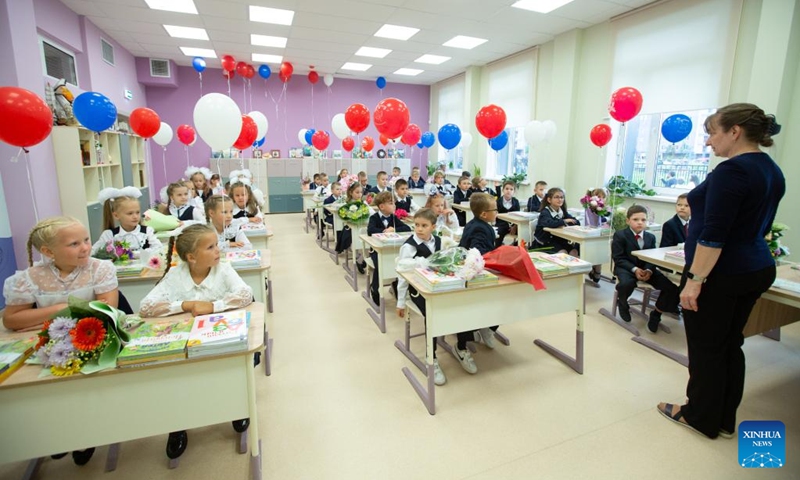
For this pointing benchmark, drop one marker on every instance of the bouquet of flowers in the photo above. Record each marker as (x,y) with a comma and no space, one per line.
(368,199)
(118,251)
(400,214)
(594,204)
(348,180)
(305,182)
(459,261)
(773,239)
(354,211)
(84,337)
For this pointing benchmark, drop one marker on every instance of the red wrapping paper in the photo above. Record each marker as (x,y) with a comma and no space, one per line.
(514,262)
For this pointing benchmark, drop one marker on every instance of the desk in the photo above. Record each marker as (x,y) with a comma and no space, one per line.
(260,240)
(338,226)
(310,202)
(775,309)
(387,257)
(357,244)
(480,306)
(523,225)
(127,404)
(463,207)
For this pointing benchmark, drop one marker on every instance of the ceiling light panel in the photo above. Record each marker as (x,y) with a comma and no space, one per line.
(199,52)
(359,67)
(267,58)
(180,6)
(411,72)
(396,32)
(186,32)
(432,59)
(267,41)
(373,52)
(540,6)
(462,41)
(277,16)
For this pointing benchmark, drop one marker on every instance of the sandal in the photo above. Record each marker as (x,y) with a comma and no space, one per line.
(677,417)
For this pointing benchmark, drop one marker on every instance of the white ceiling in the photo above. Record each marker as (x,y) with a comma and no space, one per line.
(327,33)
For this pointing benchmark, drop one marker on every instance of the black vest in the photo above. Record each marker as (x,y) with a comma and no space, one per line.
(405,204)
(142,229)
(187,214)
(243,213)
(422,249)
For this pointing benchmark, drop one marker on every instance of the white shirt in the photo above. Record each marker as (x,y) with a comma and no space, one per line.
(508,204)
(136,239)
(223,287)
(323,192)
(430,188)
(410,251)
(43,284)
(234,230)
(244,220)
(557,213)
(414,206)
(198,215)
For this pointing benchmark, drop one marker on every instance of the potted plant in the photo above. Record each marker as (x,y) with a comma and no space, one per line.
(517,178)
(620,188)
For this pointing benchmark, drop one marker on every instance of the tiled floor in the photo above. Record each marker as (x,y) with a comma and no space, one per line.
(338,407)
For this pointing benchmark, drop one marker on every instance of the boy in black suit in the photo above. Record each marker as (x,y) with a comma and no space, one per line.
(675,229)
(402,199)
(506,203)
(362,179)
(535,202)
(383,221)
(313,185)
(382,186)
(415,180)
(335,196)
(460,196)
(630,269)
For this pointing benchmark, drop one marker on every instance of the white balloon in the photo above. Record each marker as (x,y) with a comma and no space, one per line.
(466,139)
(550,129)
(164,135)
(218,120)
(301,135)
(535,132)
(261,123)
(339,126)
(328,79)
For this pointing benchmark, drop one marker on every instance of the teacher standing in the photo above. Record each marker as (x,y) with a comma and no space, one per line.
(728,265)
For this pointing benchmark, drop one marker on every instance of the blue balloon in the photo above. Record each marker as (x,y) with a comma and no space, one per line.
(676,127)
(258,143)
(310,133)
(95,111)
(499,142)
(420,145)
(449,136)
(428,139)
(264,71)
(199,64)
(380,82)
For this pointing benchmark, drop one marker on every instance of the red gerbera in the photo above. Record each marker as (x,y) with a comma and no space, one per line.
(88,334)
(43,335)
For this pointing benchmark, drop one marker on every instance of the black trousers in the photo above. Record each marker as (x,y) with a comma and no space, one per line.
(462,217)
(668,299)
(375,283)
(344,239)
(503,228)
(419,301)
(714,337)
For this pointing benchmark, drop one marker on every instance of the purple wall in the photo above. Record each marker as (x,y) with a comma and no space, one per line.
(176,107)
(144,77)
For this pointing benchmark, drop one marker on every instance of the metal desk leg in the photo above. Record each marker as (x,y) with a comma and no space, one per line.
(680,358)
(112,457)
(252,431)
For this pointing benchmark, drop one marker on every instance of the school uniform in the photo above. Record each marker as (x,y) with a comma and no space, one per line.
(140,238)
(418,184)
(376,189)
(503,227)
(674,231)
(377,224)
(204,195)
(312,186)
(322,191)
(232,233)
(406,204)
(412,248)
(477,234)
(486,190)
(433,188)
(626,241)
(366,187)
(459,197)
(328,215)
(550,219)
(534,203)
(188,214)
(242,216)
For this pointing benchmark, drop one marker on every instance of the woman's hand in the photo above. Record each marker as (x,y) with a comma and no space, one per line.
(689,295)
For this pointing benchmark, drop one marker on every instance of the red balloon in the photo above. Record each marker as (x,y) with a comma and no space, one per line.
(367,143)
(490,120)
(347,143)
(228,63)
(383,139)
(145,122)
(320,140)
(25,119)
(248,133)
(228,74)
(250,72)
(285,73)
(391,117)
(357,117)
(313,77)
(412,135)
(186,134)
(625,104)
(241,68)
(600,134)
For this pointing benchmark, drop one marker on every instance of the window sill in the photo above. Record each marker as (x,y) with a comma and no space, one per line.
(658,198)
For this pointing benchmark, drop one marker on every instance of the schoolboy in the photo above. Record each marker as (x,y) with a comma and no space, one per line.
(630,269)
(313,185)
(415,180)
(362,179)
(675,229)
(401,197)
(335,196)
(535,202)
(383,221)
(506,203)
(460,196)
(323,187)
(382,186)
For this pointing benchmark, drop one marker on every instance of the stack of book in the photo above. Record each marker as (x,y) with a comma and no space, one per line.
(392,238)
(13,354)
(244,258)
(254,228)
(483,278)
(573,264)
(129,270)
(437,282)
(218,333)
(156,342)
(587,231)
(545,267)
(525,215)
(678,254)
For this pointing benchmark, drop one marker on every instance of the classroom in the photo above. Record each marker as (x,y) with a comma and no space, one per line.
(235,168)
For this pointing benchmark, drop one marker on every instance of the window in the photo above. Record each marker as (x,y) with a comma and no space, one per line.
(450,95)
(453,160)
(59,62)
(513,158)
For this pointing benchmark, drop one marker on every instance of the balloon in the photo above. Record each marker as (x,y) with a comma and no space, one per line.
(499,142)
(261,122)
(309,135)
(285,73)
(600,134)
(241,68)
(313,77)
(420,145)
(380,82)
(218,120)
(95,111)
(676,127)
(367,143)
(412,135)
(550,129)
(466,139)
(625,104)
(145,122)
(228,74)
(264,71)
(249,72)
(383,139)
(321,140)
(535,132)
(186,134)
(164,135)
(391,117)
(259,143)
(449,136)
(428,139)
(25,119)
(199,64)
(301,135)
(348,144)
(339,126)
(228,63)
(490,120)
(328,79)
(357,117)
(247,135)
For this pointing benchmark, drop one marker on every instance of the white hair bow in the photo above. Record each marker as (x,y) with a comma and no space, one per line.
(112,193)
(192,170)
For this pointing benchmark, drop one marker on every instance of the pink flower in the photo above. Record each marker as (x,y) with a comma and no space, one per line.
(400,213)
(155,262)
(110,248)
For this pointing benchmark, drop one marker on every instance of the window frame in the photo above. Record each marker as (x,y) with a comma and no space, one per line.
(58,46)
(491,155)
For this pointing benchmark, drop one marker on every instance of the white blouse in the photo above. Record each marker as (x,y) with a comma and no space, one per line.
(136,239)
(198,215)
(43,285)
(450,221)
(234,230)
(244,220)
(223,287)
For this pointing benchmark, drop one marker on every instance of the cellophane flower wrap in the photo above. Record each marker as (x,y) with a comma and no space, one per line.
(348,180)
(354,211)
(84,337)
(773,239)
(118,251)
(459,261)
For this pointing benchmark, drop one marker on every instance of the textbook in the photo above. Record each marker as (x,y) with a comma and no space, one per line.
(130,270)
(545,267)
(573,264)
(244,258)
(13,354)
(437,282)
(588,231)
(392,238)
(676,254)
(524,215)
(218,333)
(253,228)
(154,342)
(483,278)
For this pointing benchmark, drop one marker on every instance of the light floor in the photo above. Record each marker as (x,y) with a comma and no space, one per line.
(338,407)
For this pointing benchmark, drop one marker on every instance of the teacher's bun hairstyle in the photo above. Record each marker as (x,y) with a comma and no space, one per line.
(758,127)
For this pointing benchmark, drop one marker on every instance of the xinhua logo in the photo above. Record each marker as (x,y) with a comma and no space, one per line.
(762,444)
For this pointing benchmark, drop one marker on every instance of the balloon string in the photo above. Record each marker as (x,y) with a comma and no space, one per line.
(285,121)
(244,94)
(201,83)
(186,148)
(329,106)
(164,162)
(313,119)
(250,92)
(30,184)
(228,76)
